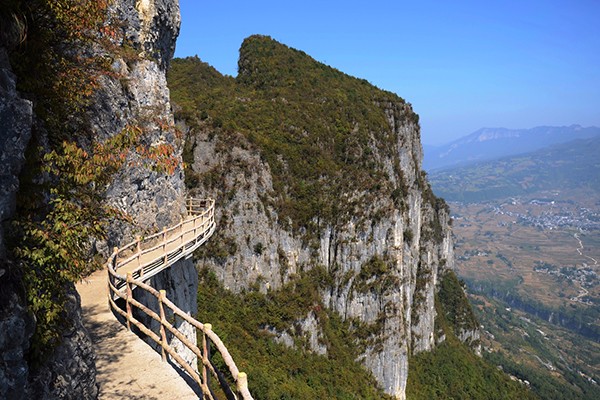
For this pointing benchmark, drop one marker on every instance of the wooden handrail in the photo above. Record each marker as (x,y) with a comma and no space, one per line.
(172,244)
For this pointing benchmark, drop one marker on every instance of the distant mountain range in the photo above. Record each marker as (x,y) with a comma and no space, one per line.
(491,143)
(564,167)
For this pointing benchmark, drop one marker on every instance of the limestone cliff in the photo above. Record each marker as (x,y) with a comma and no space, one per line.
(137,94)
(134,43)
(310,168)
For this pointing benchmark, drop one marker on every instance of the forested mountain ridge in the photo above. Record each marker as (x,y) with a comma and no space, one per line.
(322,199)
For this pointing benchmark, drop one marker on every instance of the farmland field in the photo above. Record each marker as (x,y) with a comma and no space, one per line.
(531,265)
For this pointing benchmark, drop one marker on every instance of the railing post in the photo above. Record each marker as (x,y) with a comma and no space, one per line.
(129,295)
(206,353)
(242,384)
(116,253)
(181,229)
(163,320)
(112,279)
(194,219)
(165,246)
(139,255)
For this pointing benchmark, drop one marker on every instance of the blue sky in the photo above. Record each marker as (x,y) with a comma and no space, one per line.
(463,65)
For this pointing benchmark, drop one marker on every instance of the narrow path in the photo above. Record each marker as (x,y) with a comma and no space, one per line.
(583,292)
(127,367)
(579,250)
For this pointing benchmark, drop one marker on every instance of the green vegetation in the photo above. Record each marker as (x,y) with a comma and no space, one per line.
(452,371)
(375,277)
(59,205)
(455,304)
(534,351)
(577,317)
(55,250)
(246,323)
(543,384)
(54,64)
(320,131)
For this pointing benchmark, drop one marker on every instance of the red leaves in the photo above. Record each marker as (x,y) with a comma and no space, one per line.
(160,157)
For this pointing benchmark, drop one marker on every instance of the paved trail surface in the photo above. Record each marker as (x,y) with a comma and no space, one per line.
(127,367)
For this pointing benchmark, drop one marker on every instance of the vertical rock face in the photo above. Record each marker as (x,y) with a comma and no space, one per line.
(134,94)
(414,243)
(16,119)
(181,285)
(383,257)
(70,371)
(16,326)
(138,96)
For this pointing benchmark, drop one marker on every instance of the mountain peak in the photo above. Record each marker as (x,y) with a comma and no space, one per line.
(264,62)
(489,143)
(269,65)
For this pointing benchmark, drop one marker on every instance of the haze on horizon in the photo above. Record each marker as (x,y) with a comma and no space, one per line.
(463,65)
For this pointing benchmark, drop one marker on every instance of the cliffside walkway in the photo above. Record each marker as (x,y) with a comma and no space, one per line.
(127,366)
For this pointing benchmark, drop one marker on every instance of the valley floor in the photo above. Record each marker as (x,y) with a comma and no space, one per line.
(531,268)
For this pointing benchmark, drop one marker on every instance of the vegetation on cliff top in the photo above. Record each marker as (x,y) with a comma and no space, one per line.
(321,132)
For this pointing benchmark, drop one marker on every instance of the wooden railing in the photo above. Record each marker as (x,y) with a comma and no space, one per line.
(144,258)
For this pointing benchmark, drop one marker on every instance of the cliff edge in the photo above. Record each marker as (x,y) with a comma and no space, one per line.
(314,169)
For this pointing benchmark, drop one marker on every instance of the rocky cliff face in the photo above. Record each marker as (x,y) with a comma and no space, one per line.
(138,95)
(69,373)
(385,246)
(133,93)
(398,300)
(16,326)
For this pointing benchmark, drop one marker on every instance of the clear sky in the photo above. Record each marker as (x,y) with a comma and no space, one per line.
(463,65)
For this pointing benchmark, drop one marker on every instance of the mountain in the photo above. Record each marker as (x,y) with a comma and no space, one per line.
(489,143)
(331,272)
(564,167)
(334,256)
